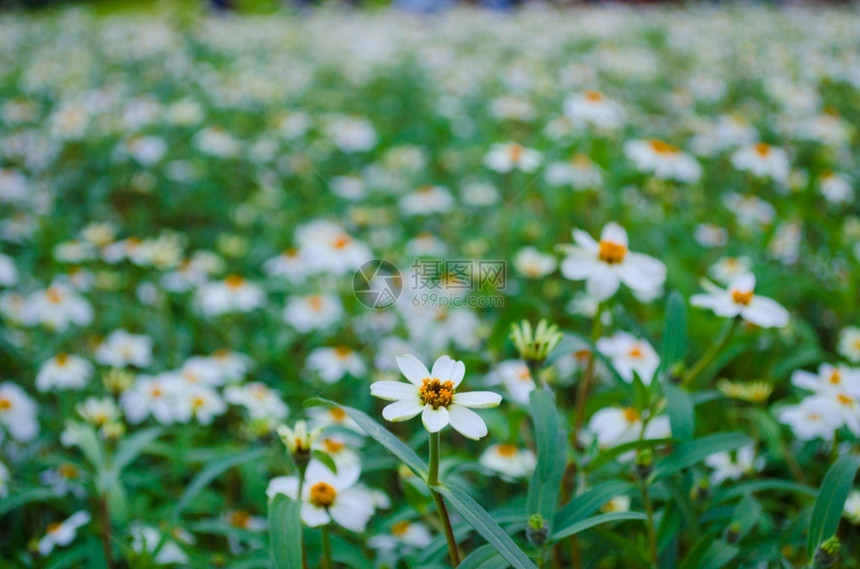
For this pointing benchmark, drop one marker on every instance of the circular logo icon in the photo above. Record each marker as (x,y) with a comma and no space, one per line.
(377,283)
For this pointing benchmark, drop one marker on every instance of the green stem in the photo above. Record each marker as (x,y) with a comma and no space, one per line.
(326,544)
(709,356)
(104,514)
(432,482)
(649,513)
(299,494)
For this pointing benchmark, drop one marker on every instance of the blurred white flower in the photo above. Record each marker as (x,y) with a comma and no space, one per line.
(739,300)
(18,412)
(122,349)
(508,461)
(630,355)
(62,533)
(504,158)
(64,371)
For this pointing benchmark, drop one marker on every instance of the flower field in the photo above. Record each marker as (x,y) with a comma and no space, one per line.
(562,289)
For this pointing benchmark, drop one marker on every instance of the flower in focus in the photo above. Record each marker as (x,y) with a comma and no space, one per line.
(508,461)
(629,356)
(327,496)
(607,263)
(739,300)
(62,533)
(434,395)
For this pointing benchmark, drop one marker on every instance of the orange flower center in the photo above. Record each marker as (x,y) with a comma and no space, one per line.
(515,152)
(155,392)
(341,241)
(762,149)
(664,148)
(197,402)
(234,282)
(68,471)
(593,96)
(581,161)
(239,519)
(631,415)
(62,359)
(742,297)
(611,253)
(400,528)
(316,303)
(636,353)
(835,378)
(436,393)
(5,404)
(845,400)
(507,451)
(337,414)
(54,295)
(322,495)
(54,526)
(332,446)
(342,352)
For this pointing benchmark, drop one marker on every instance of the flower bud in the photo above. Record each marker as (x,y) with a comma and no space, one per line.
(827,553)
(644,463)
(537,530)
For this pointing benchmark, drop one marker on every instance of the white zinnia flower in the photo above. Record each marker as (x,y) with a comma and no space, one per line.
(727,469)
(327,496)
(18,412)
(763,161)
(849,344)
(508,461)
(630,355)
(233,294)
(533,264)
(739,300)
(663,160)
(504,158)
(63,372)
(121,349)
(607,263)
(433,394)
(62,533)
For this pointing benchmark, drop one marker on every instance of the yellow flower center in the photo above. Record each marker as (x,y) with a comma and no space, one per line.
(611,252)
(507,451)
(342,352)
(845,400)
(54,526)
(636,353)
(593,96)
(400,528)
(341,241)
(631,415)
(239,519)
(436,393)
(234,282)
(68,471)
(762,149)
(515,152)
(663,148)
(337,414)
(835,378)
(197,402)
(742,297)
(322,495)
(316,303)
(332,446)
(62,359)
(5,404)
(54,295)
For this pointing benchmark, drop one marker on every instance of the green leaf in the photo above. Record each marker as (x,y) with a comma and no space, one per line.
(718,555)
(485,557)
(75,557)
(479,519)
(380,434)
(209,473)
(21,498)
(689,453)
(681,412)
(611,454)
(547,427)
(131,447)
(675,334)
(87,440)
(326,459)
(746,515)
(572,529)
(761,485)
(589,501)
(830,501)
(285,532)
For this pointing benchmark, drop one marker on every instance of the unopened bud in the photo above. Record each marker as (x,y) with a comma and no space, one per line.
(537,530)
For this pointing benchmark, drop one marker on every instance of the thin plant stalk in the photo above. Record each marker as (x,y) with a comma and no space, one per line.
(709,356)
(326,545)
(432,482)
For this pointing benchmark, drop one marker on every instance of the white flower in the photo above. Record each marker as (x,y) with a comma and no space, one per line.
(835,188)
(322,417)
(410,535)
(427,200)
(508,460)
(613,426)
(260,401)
(290,264)
(233,294)
(762,161)
(18,412)
(63,533)
(727,469)
(841,379)
(331,364)
(98,412)
(533,264)
(849,344)
(434,395)
(158,396)
(352,134)
(604,265)
(64,372)
(516,377)
(728,268)
(205,403)
(313,312)
(594,109)
(504,158)
(630,355)
(57,307)
(150,539)
(327,496)
(8,272)
(663,160)
(710,235)
(739,300)
(810,419)
(851,511)
(121,349)
(328,248)
(232,365)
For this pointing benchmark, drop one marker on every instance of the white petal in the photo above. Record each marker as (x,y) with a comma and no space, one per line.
(602,283)
(443,368)
(765,312)
(458,373)
(393,390)
(414,370)
(467,422)
(434,419)
(352,509)
(313,516)
(477,399)
(286,485)
(614,233)
(402,410)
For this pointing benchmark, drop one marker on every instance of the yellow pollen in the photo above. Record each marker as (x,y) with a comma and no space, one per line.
(239,519)
(762,149)
(54,295)
(5,404)
(611,252)
(337,414)
(515,152)
(197,402)
(155,392)
(436,393)
(631,415)
(332,446)
(62,359)
(835,378)
(341,241)
(68,471)
(342,352)
(636,353)
(845,400)
(507,451)
(400,528)
(593,96)
(814,416)
(234,282)
(290,253)
(664,148)
(322,495)
(742,297)
(54,526)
